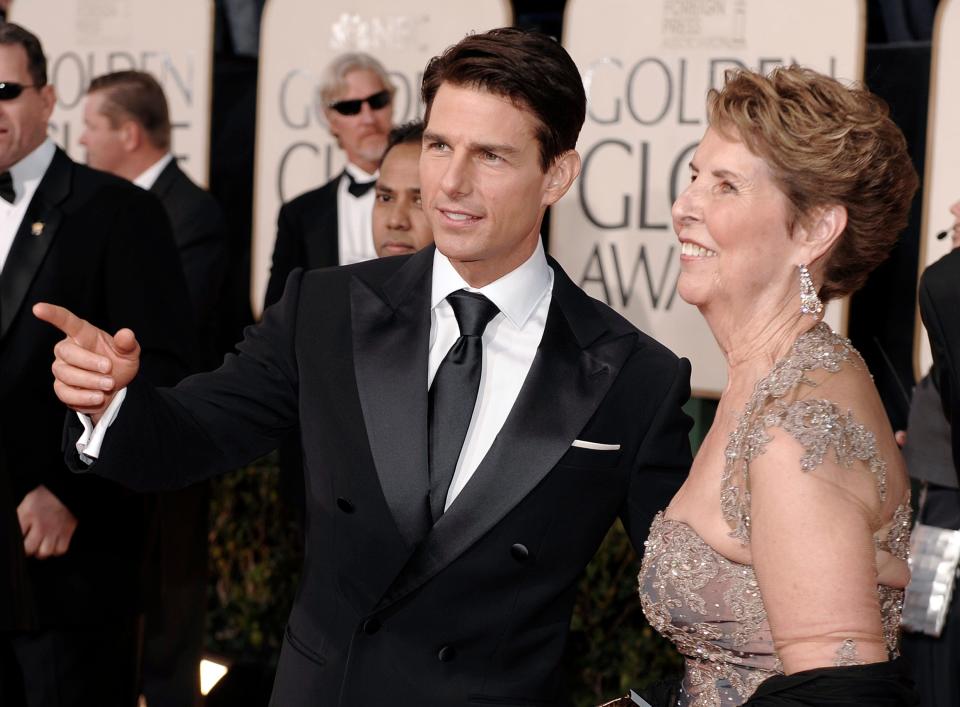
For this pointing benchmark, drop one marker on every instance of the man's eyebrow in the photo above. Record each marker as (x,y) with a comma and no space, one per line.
(499,149)
(383,187)
(495,149)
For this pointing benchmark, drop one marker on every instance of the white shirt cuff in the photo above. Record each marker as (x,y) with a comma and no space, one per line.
(88,446)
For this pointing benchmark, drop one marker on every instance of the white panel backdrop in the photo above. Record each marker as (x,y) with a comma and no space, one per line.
(647,67)
(294,151)
(172,39)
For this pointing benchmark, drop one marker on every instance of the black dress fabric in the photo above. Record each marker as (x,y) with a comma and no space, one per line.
(884,684)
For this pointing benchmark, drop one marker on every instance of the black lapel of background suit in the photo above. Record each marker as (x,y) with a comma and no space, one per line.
(30,245)
(391,337)
(576,363)
(327,225)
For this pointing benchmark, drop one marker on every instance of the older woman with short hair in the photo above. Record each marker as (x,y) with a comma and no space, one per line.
(778,568)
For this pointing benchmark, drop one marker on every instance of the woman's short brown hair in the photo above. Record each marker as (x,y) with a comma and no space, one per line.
(826,144)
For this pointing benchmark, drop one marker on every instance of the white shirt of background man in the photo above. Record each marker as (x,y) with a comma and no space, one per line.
(355,218)
(26,174)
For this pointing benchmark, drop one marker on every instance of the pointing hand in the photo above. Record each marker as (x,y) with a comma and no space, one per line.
(90,365)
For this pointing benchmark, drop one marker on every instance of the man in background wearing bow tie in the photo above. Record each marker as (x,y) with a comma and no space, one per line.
(331,225)
(95,243)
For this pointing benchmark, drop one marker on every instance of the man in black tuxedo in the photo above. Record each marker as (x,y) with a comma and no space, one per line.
(330,225)
(98,245)
(939,308)
(127,132)
(473,422)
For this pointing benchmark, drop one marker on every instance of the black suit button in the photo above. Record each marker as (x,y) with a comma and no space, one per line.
(520,552)
(371,626)
(446,654)
(345,505)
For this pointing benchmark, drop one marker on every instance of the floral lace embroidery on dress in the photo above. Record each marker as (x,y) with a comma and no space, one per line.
(709,606)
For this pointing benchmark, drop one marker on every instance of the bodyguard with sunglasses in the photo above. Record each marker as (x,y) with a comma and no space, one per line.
(331,225)
(95,243)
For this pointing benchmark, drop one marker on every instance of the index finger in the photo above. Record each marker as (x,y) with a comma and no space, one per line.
(60,317)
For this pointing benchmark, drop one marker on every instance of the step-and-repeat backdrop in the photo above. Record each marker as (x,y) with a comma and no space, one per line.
(298,39)
(172,39)
(941,183)
(647,67)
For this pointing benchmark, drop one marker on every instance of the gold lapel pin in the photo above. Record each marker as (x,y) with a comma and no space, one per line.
(37,228)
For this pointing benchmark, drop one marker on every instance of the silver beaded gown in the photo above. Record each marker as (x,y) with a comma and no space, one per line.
(709,606)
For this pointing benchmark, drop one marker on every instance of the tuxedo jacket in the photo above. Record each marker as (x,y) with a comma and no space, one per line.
(307,236)
(391,611)
(101,247)
(200,233)
(940,310)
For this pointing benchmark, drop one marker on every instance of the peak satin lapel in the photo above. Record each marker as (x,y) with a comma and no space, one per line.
(391,334)
(562,391)
(29,248)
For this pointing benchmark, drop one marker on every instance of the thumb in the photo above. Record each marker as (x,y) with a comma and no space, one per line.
(125,343)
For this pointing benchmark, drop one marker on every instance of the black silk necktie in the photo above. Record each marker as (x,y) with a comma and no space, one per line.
(7,192)
(453,394)
(358,189)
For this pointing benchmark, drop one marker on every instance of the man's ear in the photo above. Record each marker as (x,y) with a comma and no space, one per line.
(560,176)
(48,94)
(131,135)
(820,232)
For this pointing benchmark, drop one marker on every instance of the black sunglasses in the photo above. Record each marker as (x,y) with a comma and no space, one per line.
(10,90)
(378,100)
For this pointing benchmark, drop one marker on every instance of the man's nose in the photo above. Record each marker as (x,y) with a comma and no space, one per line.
(456,178)
(366,113)
(399,219)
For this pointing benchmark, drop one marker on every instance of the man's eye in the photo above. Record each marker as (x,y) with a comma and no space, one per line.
(727,188)
(383,198)
(437,146)
(417,201)
(491,157)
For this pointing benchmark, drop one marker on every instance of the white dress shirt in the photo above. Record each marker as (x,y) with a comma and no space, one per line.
(26,174)
(510,342)
(149,176)
(355,219)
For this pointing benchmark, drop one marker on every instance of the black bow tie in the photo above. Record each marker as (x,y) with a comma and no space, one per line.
(358,189)
(7,192)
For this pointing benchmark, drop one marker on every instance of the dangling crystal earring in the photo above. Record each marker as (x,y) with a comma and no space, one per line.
(809,302)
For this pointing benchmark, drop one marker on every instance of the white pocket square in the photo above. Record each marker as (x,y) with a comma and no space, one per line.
(599,446)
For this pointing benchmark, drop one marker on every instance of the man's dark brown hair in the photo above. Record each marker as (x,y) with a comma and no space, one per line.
(10,34)
(529,68)
(407,134)
(135,95)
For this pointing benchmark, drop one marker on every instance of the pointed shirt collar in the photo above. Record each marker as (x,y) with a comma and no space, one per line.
(358,174)
(149,176)
(516,294)
(30,170)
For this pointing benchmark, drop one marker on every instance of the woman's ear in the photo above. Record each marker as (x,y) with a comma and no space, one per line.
(820,231)
(560,177)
